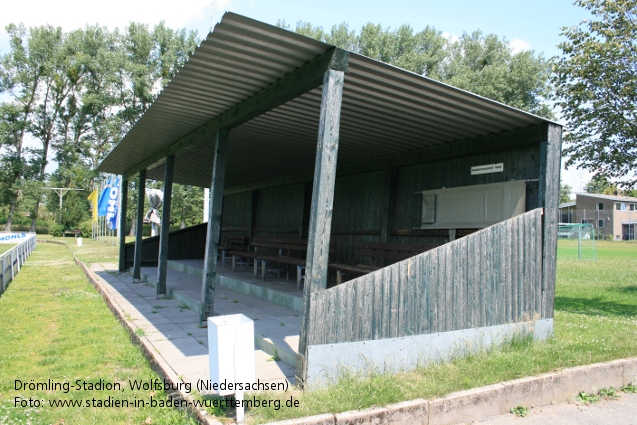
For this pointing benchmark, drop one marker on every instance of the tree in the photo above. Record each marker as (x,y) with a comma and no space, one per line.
(187,205)
(596,87)
(482,64)
(486,65)
(72,96)
(565,192)
(598,184)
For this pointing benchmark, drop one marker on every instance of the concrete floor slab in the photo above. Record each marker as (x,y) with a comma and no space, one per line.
(173,331)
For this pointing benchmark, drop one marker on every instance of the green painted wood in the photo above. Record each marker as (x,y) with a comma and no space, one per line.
(318,245)
(123,208)
(298,82)
(464,284)
(164,233)
(511,140)
(279,212)
(141,194)
(214,225)
(236,215)
(390,205)
(549,190)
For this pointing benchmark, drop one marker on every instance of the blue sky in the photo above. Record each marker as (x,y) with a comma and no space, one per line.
(529,25)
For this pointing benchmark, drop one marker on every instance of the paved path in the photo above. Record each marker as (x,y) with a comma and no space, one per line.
(173,329)
(622,411)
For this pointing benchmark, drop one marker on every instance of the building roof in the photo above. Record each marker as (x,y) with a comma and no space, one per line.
(567,204)
(608,197)
(385,110)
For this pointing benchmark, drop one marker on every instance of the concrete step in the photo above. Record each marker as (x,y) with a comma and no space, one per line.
(276,327)
(278,291)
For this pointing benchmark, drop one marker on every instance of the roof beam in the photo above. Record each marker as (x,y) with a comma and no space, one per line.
(298,82)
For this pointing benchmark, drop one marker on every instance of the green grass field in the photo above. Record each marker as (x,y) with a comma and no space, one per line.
(56,326)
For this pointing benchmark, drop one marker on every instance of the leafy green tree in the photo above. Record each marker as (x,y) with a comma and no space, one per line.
(76,94)
(147,61)
(596,84)
(187,205)
(21,73)
(565,192)
(483,64)
(598,184)
(13,167)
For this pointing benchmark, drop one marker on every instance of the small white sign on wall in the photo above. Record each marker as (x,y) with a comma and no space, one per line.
(486,169)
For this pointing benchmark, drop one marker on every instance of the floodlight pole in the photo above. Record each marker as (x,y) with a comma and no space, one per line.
(61,191)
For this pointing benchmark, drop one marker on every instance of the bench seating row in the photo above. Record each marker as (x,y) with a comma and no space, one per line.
(277,255)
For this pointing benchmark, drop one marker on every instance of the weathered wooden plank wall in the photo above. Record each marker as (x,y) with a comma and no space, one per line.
(235,218)
(188,243)
(490,277)
(280,212)
(522,163)
(358,213)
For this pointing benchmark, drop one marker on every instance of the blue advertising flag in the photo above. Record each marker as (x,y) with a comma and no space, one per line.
(103,202)
(113,205)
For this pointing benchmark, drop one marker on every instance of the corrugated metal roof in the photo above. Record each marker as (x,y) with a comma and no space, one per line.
(385,110)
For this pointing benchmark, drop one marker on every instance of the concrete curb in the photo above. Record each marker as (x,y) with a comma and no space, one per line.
(492,400)
(157,363)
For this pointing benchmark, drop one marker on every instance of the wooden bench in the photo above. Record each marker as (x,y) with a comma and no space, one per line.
(75,233)
(378,253)
(272,251)
(232,243)
(288,252)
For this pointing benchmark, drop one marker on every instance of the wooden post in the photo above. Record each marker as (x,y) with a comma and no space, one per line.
(214,225)
(123,196)
(165,226)
(141,194)
(390,206)
(318,245)
(549,189)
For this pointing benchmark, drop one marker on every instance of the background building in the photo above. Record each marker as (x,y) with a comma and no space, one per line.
(614,217)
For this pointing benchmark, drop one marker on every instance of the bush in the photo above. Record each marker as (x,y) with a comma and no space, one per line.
(57,230)
(86,228)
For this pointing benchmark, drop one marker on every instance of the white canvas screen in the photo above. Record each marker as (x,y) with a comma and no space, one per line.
(472,207)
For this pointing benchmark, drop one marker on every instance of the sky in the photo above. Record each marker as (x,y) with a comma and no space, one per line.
(526,24)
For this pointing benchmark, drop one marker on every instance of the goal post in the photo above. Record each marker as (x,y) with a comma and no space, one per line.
(577,240)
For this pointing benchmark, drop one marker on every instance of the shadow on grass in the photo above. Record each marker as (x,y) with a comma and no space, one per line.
(596,306)
(625,289)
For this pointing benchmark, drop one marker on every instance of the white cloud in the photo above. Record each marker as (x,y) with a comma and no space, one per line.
(518,45)
(575,177)
(452,38)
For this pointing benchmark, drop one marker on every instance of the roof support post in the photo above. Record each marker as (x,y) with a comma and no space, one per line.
(139,227)
(318,245)
(214,225)
(123,196)
(165,226)
(390,205)
(549,189)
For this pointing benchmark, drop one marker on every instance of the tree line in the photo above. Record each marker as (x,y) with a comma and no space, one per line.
(70,98)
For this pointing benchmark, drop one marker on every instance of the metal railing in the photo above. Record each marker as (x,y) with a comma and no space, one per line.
(13,260)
